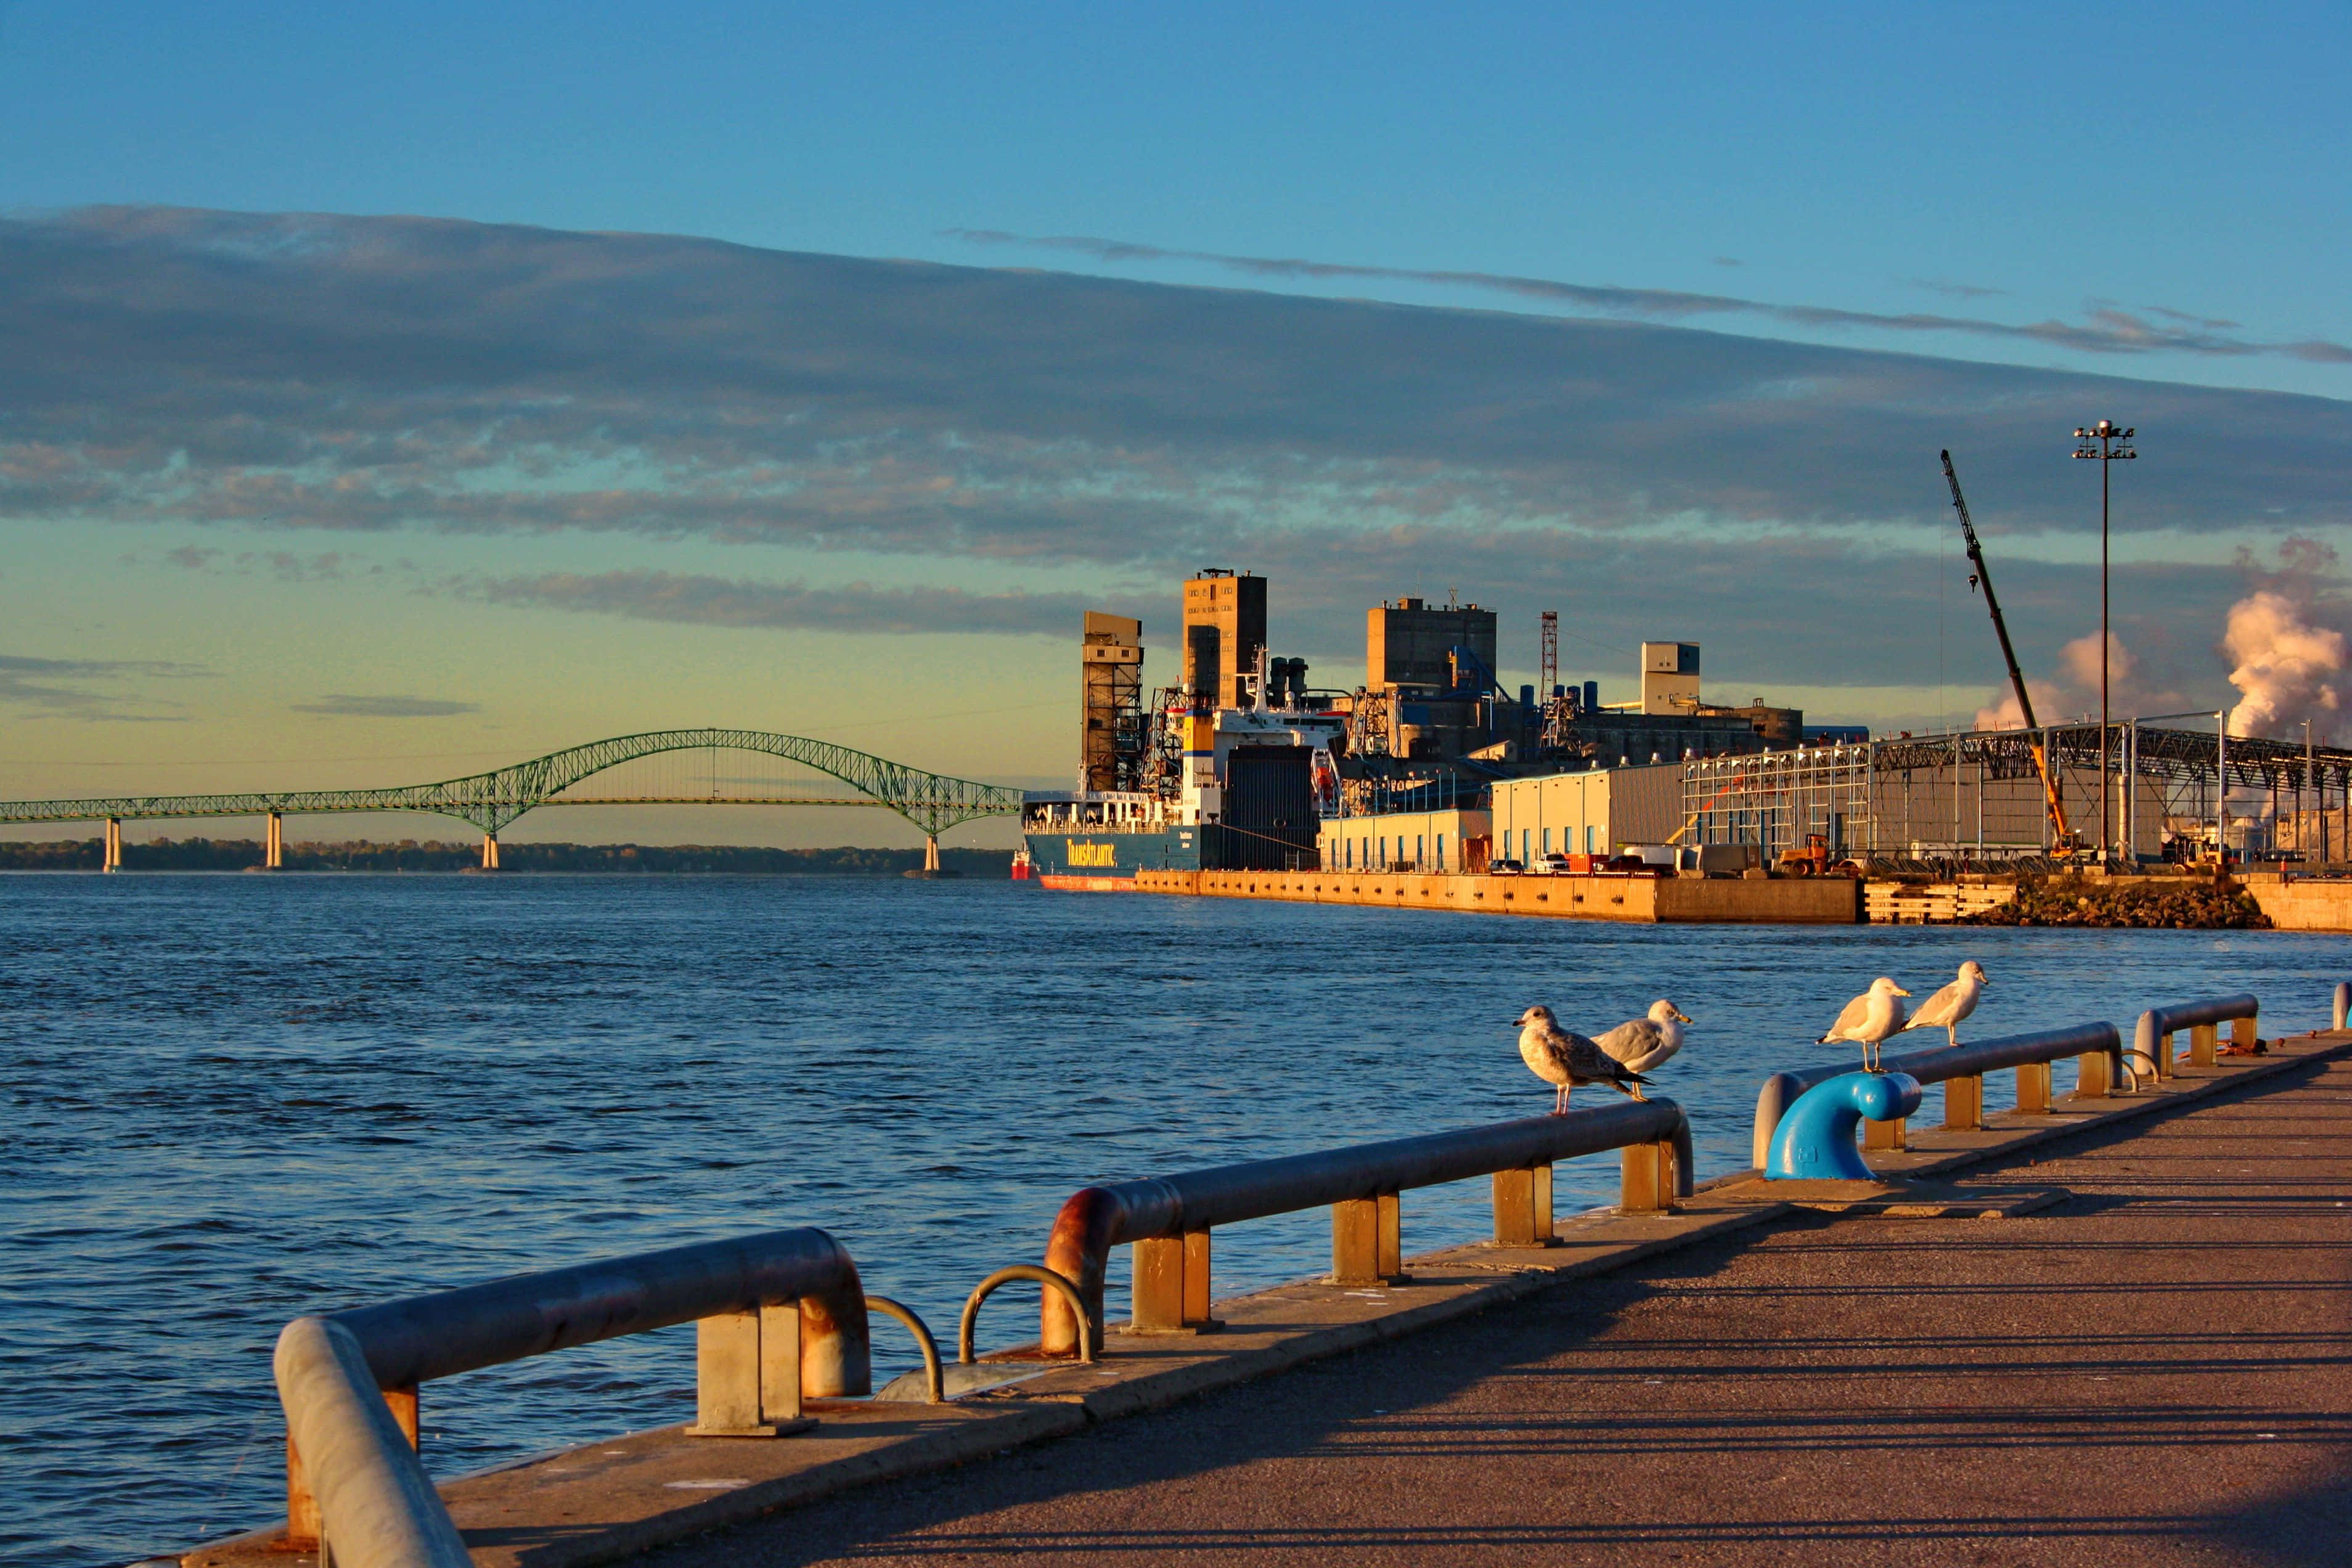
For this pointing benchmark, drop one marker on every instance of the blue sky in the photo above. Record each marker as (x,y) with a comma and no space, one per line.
(1891,229)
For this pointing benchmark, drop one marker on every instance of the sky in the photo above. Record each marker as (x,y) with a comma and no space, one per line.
(390,392)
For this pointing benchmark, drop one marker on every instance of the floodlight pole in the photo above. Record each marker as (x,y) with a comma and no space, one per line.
(2107,445)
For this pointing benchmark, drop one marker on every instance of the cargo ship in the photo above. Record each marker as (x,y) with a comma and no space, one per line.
(1256,784)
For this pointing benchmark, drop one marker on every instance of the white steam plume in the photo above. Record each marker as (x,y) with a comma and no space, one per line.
(2054,702)
(2285,666)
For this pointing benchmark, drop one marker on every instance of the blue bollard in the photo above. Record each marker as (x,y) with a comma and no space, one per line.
(1815,1139)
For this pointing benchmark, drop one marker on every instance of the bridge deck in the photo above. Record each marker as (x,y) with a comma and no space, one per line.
(2159,1371)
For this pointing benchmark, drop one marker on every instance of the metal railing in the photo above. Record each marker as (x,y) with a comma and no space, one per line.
(780,1317)
(1963,1068)
(1168,1219)
(2152,1037)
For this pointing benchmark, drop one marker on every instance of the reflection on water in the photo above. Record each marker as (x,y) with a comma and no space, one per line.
(235,1099)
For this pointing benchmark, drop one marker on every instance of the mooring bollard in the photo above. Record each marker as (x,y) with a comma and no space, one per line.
(1815,1139)
(2098,1047)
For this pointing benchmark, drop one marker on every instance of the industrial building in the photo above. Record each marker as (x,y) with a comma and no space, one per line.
(1224,632)
(1596,812)
(1111,734)
(1412,643)
(1452,840)
(1430,763)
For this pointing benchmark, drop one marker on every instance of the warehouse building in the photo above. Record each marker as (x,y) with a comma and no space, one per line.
(1451,840)
(1597,812)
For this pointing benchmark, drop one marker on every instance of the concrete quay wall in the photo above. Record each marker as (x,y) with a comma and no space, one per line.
(2304,905)
(1648,900)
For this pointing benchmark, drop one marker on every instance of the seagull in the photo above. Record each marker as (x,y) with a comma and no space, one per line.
(1644,1044)
(1868,1019)
(1565,1058)
(1955,1002)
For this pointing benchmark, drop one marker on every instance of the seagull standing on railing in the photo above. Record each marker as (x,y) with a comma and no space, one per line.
(1955,1002)
(1868,1020)
(1564,1058)
(1643,1045)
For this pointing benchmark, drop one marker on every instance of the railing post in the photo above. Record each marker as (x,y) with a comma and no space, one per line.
(2343,998)
(1647,1178)
(2034,1089)
(303,1505)
(2094,1074)
(2243,1034)
(1523,1208)
(2204,1040)
(1366,1242)
(1886,1135)
(1171,1289)
(747,1373)
(1964,1104)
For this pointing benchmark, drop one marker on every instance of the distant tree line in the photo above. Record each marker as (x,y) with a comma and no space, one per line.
(431,855)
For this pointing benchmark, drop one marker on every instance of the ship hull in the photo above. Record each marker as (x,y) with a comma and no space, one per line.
(1108,862)
(1077,862)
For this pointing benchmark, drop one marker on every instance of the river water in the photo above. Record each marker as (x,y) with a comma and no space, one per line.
(235,1099)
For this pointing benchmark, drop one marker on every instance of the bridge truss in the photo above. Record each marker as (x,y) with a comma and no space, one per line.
(932,801)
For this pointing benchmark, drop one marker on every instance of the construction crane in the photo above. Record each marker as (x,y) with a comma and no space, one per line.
(2061,836)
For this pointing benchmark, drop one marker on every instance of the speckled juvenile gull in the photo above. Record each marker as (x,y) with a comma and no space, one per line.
(1565,1058)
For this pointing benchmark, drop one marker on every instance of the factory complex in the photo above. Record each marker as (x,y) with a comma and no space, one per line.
(1430,763)
(1429,766)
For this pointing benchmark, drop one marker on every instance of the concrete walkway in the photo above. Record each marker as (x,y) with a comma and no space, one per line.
(2160,1371)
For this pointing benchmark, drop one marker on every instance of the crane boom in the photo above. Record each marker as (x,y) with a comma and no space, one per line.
(1980,576)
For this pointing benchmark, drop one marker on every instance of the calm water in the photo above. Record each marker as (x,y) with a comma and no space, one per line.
(232,1100)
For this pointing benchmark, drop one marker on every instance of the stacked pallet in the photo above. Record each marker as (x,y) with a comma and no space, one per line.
(1930,903)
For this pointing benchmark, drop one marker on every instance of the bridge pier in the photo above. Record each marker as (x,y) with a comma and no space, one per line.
(930,852)
(273,848)
(113,844)
(490,852)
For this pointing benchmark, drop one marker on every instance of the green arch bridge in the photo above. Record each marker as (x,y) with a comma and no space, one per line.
(932,801)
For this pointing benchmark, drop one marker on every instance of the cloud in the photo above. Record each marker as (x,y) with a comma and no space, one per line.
(343,705)
(2075,692)
(309,376)
(856,607)
(87,689)
(2105,330)
(1956,291)
(285,565)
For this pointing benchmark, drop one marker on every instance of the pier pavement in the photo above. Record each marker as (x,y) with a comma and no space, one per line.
(2156,1370)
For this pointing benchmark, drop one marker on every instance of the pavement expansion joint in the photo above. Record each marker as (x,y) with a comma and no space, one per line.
(1900,1199)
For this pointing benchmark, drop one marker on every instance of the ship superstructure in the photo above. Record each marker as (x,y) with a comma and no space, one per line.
(1236,787)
